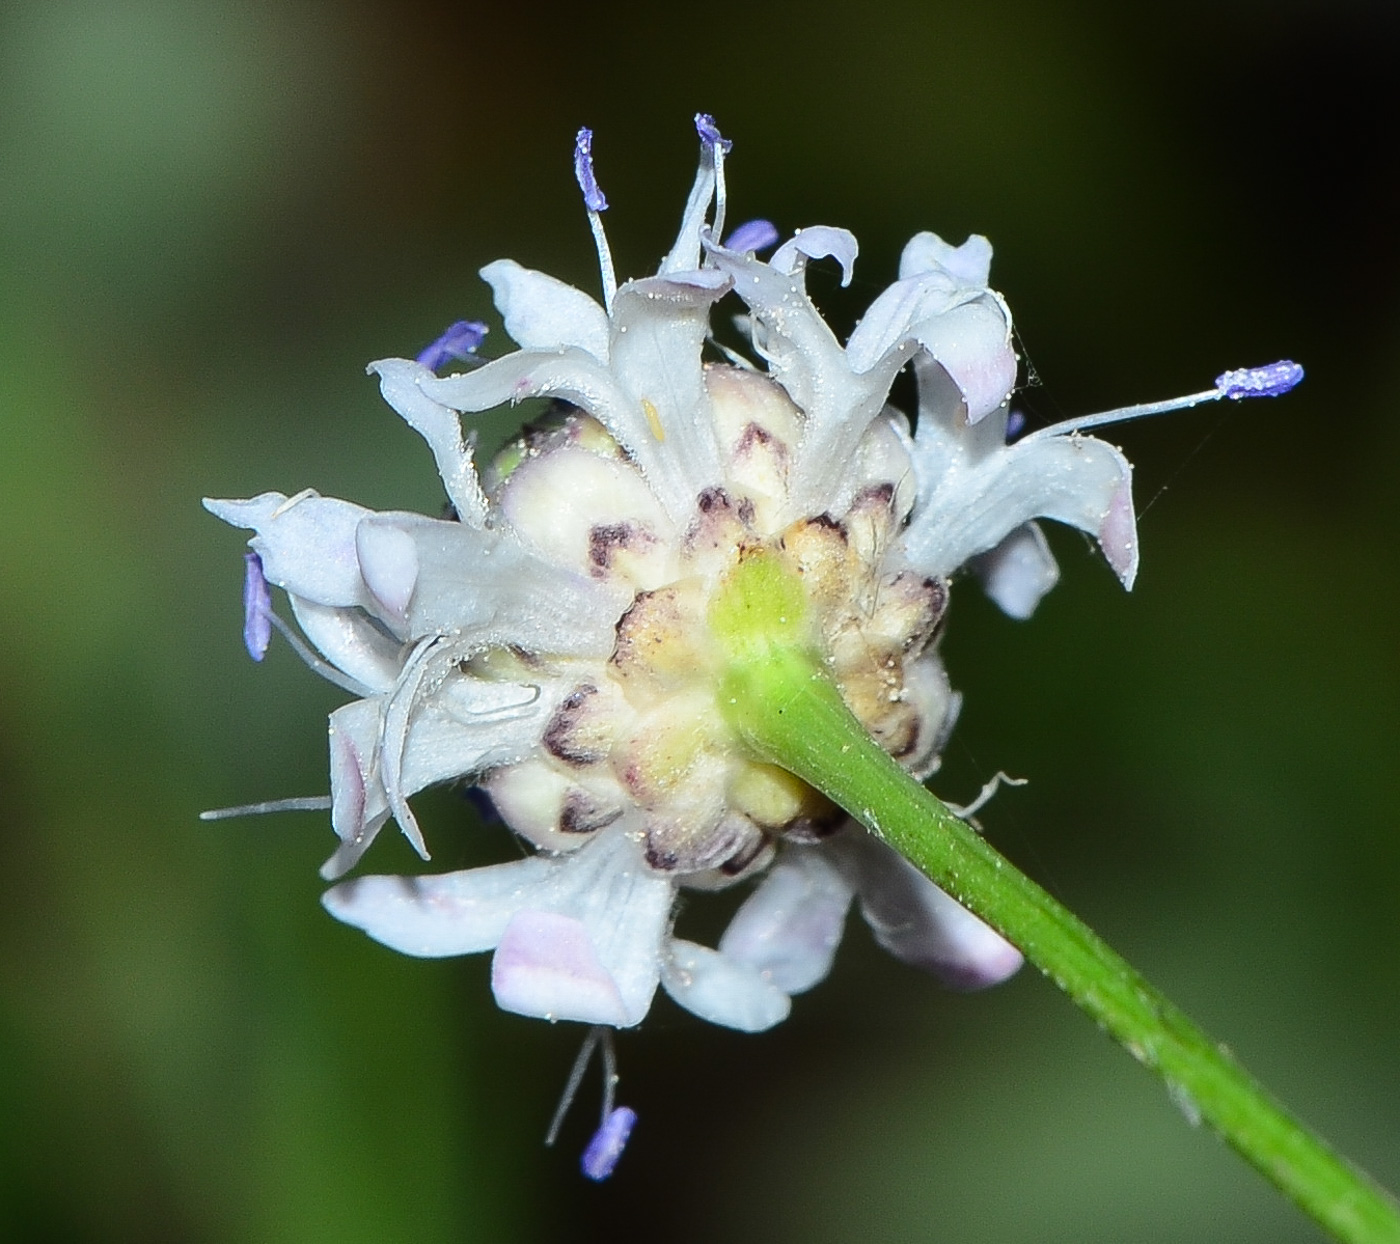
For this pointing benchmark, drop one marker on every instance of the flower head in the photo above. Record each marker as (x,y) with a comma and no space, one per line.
(550,641)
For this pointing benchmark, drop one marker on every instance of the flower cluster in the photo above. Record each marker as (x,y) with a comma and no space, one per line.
(548,640)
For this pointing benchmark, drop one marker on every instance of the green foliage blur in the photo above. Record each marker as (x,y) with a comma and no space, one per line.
(213,213)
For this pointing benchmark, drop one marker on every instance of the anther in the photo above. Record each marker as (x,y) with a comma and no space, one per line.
(459,341)
(257,608)
(752,235)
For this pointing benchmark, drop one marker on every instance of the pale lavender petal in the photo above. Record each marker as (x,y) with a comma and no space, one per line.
(546,966)
(605,1149)
(752,235)
(789,927)
(1019,571)
(257,606)
(917,922)
(967,330)
(306,543)
(718,990)
(1270,381)
(359,808)
(458,341)
(818,242)
(583,172)
(437,916)
(971,262)
(388,564)
(543,313)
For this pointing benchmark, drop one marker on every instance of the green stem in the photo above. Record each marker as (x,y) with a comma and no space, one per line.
(787,710)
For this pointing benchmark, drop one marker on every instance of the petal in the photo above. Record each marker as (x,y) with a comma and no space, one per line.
(358,804)
(543,313)
(806,359)
(457,913)
(1077,480)
(966,329)
(719,990)
(487,587)
(818,242)
(437,424)
(1019,571)
(659,326)
(388,564)
(351,642)
(917,922)
(306,542)
(971,262)
(546,966)
(789,927)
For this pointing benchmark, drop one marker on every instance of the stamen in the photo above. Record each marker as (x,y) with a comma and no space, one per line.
(596,203)
(615,1122)
(605,1149)
(393,739)
(257,608)
(752,235)
(1270,381)
(459,341)
(327,671)
(303,803)
(566,1099)
(718,146)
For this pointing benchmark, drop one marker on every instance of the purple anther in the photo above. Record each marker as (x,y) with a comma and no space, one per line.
(752,235)
(257,608)
(601,1157)
(1015,425)
(593,198)
(1270,381)
(459,341)
(709,133)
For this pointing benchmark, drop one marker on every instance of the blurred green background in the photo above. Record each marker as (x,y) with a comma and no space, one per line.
(213,213)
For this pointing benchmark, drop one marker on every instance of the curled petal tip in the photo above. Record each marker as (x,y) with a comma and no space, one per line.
(601,1157)
(458,341)
(1269,381)
(709,133)
(257,608)
(583,170)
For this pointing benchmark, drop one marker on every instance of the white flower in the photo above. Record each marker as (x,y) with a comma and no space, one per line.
(549,642)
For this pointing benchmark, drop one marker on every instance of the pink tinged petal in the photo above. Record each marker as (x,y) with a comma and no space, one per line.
(789,927)
(437,424)
(546,966)
(818,242)
(543,313)
(433,917)
(306,543)
(1118,535)
(971,262)
(721,991)
(1019,571)
(917,922)
(358,805)
(388,564)
(351,642)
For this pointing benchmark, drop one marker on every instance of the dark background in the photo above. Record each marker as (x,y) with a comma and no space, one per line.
(212,214)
